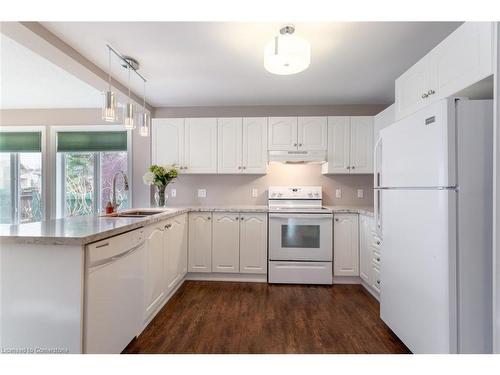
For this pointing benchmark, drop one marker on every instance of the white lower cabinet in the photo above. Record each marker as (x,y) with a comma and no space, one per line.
(200,242)
(155,268)
(226,242)
(176,231)
(365,252)
(253,243)
(345,245)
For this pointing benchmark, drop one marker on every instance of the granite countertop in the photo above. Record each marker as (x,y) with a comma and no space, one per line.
(363,210)
(82,230)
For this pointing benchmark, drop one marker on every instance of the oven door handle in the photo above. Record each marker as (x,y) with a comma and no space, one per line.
(301,216)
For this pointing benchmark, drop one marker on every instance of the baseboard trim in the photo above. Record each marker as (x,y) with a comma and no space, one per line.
(370,290)
(346,280)
(237,277)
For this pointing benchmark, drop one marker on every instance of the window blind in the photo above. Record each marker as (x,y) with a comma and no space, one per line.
(92,141)
(20,142)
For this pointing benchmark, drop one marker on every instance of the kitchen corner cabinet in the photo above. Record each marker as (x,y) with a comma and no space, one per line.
(176,231)
(167,141)
(242,145)
(297,133)
(226,242)
(345,245)
(350,145)
(200,242)
(190,144)
(253,243)
(465,57)
(155,268)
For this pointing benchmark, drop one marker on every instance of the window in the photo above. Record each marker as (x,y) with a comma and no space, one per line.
(86,164)
(21,178)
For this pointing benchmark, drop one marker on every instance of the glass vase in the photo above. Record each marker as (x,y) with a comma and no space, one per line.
(161,196)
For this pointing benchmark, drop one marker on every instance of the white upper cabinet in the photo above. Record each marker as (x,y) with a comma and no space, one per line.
(242,145)
(350,145)
(200,242)
(230,144)
(254,158)
(312,133)
(200,145)
(462,59)
(339,144)
(167,141)
(361,147)
(226,242)
(253,243)
(282,134)
(345,245)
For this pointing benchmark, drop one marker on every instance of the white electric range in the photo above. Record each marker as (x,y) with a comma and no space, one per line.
(300,236)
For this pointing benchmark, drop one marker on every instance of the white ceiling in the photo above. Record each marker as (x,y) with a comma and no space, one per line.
(28,80)
(221,64)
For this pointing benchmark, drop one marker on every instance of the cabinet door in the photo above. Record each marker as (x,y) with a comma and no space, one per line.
(253,243)
(411,88)
(200,242)
(226,243)
(229,145)
(167,141)
(282,133)
(463,58)
(345,245)
(312,133)
(200,153)
(175,234)
(255,145)
(155,268)
(364,248)
(361,154)
(338,145)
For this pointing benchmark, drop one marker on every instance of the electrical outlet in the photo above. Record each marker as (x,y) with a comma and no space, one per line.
(338,193)
(360,193)
(255,192)
(202,193)
(173,193)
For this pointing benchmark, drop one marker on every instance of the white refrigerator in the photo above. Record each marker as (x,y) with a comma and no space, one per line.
(433,208)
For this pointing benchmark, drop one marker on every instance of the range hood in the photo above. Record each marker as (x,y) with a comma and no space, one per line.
(298,157)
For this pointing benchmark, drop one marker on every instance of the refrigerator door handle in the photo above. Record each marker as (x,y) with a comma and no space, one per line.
(376,166)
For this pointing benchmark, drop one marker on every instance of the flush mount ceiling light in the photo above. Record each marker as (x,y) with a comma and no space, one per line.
(287,53)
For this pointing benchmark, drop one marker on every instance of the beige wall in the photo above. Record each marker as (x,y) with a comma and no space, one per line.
(237,189)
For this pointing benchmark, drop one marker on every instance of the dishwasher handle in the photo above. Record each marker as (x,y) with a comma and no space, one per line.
(114,258)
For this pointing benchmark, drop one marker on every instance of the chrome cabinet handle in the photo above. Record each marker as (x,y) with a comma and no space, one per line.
(102,245)
(378,259)
(295,144)
(300,144)
(336,219)
(378,282)
(424,96)
(242,218)
(353,167)
(168,226)
(208,218)
(431,92)
(239,167)
(348,167)
(378,242)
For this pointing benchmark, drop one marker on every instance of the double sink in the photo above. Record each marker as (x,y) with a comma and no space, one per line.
(136,213)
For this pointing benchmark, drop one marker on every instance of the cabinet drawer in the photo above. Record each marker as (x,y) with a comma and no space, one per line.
(376,278)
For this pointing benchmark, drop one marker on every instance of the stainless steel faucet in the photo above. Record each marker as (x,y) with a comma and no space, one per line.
(114,203)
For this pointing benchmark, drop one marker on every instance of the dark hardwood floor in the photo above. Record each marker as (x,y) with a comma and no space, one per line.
(224,317)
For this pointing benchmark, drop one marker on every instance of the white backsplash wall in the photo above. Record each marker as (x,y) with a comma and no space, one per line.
(237,189)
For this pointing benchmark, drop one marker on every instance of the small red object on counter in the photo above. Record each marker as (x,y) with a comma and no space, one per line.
(109,208)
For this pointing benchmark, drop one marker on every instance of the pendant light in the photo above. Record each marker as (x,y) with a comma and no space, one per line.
(145,118)
(129,108)
(287,53)
(109,112)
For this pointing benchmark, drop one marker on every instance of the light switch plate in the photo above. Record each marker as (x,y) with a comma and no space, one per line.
(338,193)
(255,192)
(173,193)
(360,193)
(202,193)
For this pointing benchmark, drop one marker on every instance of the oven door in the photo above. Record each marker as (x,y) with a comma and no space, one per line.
(300,237)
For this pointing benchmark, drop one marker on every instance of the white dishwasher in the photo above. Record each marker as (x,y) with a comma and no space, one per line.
(114,292)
